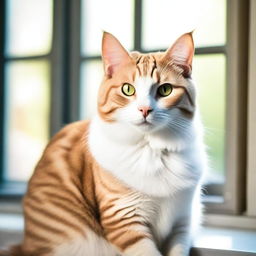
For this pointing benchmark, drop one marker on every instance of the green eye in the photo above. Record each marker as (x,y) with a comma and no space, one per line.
(128,89)
(164,90)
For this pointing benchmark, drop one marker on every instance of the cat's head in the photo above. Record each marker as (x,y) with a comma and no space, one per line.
(147,91)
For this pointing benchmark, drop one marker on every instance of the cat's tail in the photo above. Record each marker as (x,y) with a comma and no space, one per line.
(17,250)
(13,251)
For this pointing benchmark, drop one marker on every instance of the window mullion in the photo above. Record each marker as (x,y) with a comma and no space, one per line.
(138,25)
(58,106)
(237,41)
(2,93)
(251,138)
(74,60)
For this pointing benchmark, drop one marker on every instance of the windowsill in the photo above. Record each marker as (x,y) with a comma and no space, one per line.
(208,242)
(224,241)
(12,189)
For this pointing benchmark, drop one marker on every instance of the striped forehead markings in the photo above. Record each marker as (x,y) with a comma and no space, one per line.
(146,65)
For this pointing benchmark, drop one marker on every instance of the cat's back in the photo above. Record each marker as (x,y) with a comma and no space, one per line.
(69,136)
(60,190)
(67,146)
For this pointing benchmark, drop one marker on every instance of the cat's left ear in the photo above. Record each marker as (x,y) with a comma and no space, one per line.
(181,53)
(114,54)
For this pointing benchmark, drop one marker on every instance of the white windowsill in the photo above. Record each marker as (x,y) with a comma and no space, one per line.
(208,242)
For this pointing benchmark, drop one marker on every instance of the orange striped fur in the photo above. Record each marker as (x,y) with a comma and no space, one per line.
(75,206)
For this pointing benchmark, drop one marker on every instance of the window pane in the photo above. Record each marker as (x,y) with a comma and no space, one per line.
(210,76)
(27,116)
(165,20)
(89,87)
(114,16)
(29,27)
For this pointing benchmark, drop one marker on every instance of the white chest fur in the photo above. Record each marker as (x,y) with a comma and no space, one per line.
(165,171)
(151,165)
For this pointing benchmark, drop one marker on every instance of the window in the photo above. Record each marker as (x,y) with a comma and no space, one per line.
(26,85)
(48,72)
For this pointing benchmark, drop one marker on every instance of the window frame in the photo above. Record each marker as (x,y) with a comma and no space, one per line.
(235,152)
(58,59)
(2,91)
(251,138)
(66,59)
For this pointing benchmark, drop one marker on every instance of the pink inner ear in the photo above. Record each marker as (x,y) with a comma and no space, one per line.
(181,53)
(113,54)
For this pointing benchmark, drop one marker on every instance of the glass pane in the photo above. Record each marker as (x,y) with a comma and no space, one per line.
(29,27)
(89,87)
(210,76)
(27,116)
(114,16)
(165,20)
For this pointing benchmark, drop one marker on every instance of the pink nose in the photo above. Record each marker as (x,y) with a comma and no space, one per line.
(145,110)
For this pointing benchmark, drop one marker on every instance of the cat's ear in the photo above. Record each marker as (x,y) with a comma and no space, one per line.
(181,53)
(114,54)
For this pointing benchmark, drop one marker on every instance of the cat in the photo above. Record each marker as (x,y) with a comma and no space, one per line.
(127,182)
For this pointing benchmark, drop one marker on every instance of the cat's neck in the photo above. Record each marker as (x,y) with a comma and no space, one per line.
(153,164)
(124,135)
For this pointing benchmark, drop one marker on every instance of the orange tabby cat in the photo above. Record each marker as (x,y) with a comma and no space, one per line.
(124,183)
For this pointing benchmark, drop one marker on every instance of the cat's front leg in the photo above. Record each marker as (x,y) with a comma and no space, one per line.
(180,242)
(143,247)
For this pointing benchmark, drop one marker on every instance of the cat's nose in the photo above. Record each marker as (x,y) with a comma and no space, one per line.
(145,110)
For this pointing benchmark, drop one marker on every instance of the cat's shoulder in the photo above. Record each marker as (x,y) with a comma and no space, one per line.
(70,136)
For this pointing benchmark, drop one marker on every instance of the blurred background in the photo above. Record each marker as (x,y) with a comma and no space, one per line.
(50,70)
(52,66)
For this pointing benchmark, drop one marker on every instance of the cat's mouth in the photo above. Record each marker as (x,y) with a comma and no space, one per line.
(145,122)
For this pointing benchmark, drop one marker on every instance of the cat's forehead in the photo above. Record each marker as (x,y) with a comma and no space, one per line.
(146,65)
(151,69)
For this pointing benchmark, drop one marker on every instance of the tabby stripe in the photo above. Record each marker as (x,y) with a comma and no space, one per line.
(130,241)
(137,62)
(81,217)
(46,227)
(114,233)
(106,112)
(125,225)
(119,220)
(109,205)
(55,217)
(154,68)
(70,201)
(137,67)
(54,176)
(66,148)
(42,251)
(59,187)
(58,136)
(109,189)
(34,235)
(107,94)
(76,193)
(119,210)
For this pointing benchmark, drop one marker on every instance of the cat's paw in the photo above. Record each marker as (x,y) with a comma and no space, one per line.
(178,251)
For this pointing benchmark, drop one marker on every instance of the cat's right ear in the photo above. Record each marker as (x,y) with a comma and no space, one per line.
(114,54)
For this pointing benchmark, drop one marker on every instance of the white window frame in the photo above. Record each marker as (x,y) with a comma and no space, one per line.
(251,138)
(239,207)
(235,139)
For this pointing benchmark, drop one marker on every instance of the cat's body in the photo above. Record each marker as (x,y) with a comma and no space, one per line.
(127,182)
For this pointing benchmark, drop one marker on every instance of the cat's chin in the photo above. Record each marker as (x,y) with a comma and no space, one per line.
(148,126)
(143,126)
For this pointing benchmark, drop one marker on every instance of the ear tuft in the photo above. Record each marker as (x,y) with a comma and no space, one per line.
(114,54)
(181,53)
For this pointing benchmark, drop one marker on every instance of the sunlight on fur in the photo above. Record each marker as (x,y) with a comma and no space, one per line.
(127,182)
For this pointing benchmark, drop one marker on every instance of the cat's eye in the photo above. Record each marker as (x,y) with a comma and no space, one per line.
(164,90)
(128,89)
